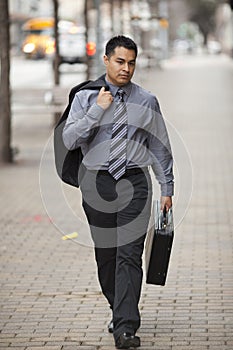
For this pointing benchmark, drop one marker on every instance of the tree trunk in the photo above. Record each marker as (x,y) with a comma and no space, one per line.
(56,62)
(56,37)
(88,59)
(5,100)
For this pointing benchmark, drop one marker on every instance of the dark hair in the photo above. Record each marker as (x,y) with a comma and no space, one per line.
(120,41)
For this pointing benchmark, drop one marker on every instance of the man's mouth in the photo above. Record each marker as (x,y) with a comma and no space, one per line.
(125,76)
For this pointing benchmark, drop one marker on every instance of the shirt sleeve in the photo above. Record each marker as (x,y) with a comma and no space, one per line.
(160,148)
(81,122)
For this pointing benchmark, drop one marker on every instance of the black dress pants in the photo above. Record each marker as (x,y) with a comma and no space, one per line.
(118,213)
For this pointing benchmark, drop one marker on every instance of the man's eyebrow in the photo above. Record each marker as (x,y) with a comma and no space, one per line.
(122,59)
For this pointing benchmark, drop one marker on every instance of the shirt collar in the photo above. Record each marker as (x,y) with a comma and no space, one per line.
(113,88)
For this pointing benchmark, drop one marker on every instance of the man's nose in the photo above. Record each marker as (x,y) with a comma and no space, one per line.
(126,67)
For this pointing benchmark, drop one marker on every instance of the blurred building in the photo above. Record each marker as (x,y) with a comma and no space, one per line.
(71,9)
(152,23)
(138,18)
(32,8)
(177,13)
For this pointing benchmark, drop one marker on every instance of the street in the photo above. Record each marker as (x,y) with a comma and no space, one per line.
(32,73)
(50,297)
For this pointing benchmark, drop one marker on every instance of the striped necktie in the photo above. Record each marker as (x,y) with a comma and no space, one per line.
(117,158)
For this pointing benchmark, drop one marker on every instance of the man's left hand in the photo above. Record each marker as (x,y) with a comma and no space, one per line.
(165,202)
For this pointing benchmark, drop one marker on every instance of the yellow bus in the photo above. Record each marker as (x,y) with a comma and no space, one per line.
(38,37)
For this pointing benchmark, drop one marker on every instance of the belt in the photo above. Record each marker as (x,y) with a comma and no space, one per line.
(128,172)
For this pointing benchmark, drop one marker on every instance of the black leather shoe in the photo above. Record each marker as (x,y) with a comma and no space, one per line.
(110,326)
(126,341)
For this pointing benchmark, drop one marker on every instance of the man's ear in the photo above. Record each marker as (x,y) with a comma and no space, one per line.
(105,58)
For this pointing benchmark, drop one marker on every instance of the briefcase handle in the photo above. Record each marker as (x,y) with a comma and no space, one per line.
(162,222)
(165,218)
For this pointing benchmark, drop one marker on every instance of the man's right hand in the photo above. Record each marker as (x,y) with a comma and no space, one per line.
(104,99)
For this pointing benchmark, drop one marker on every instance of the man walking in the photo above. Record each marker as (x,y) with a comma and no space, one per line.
(121,132)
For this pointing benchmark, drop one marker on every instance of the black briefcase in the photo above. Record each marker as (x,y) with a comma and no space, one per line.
(158,245)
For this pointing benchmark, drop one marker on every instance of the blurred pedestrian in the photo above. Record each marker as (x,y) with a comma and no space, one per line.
(121,132)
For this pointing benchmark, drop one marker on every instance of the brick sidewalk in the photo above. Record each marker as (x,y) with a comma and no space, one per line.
(50,298)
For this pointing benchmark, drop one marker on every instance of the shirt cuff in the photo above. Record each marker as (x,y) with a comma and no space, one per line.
(167,190)
(95,111)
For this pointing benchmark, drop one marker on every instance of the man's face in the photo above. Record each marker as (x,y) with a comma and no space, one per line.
(120,66)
